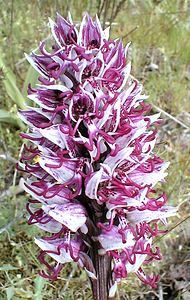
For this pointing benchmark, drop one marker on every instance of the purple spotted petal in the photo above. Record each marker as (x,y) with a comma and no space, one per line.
(136,216)
(112,240)
(71,215)
(58,249)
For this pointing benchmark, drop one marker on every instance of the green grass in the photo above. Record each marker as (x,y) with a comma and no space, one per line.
(159,31)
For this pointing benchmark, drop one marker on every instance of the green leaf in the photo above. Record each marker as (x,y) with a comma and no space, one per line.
(10,292)
(32,78)
(7,268)
(10,118)
(39,285)
(9,82)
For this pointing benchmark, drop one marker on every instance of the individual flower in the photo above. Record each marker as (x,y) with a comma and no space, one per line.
(91,170)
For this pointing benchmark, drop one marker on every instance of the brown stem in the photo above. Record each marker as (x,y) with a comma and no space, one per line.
(102,264)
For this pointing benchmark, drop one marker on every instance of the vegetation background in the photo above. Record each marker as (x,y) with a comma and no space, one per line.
(160,53)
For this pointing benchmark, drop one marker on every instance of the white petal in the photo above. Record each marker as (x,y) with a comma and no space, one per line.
(146,215)
(92,184)
(61,174)
(35,66)
(58,87)
(126,73)
(113,290)
(112,240)
(57,199)
(71,215)
(140,258)
(54,135)
(106,33)
(53,25)
(63,257)
(51,226)
(152,178)
(90,274)
(127,48)
(114,161)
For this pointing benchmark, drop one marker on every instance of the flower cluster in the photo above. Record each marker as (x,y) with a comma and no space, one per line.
(89,156)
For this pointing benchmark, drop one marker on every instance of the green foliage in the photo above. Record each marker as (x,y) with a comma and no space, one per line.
(19,98)
(11,88)
(31,78)
(10,118)
(39,285)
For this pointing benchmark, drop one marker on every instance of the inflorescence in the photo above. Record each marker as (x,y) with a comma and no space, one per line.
(91,170)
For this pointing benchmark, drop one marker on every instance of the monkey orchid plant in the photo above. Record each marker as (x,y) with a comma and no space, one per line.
(91,170)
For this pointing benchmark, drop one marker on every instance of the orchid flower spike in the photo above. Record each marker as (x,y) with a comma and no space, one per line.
(89,162)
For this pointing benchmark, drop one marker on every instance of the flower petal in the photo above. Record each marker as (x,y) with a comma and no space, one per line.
(114,161)
(112,240)
(72,215)
(137,216)
(52,248)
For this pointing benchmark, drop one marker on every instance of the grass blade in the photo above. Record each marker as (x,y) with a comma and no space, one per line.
(11,86)
(10,291)
(39,285)
(10,118)
(32,78)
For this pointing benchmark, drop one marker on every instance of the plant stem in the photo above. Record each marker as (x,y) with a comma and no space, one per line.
(102,264)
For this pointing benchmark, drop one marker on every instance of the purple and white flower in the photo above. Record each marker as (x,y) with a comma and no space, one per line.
(91,170)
